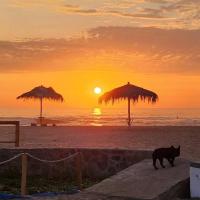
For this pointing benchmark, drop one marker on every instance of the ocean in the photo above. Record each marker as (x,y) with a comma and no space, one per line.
(115,117)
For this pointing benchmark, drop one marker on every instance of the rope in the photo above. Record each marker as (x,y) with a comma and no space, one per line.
(38,159)
(52,161)
(11,159)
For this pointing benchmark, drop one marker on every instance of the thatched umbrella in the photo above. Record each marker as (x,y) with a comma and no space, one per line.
(41,93)
(131,93)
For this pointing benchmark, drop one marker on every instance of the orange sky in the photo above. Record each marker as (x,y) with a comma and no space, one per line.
(77,88)
(152,44)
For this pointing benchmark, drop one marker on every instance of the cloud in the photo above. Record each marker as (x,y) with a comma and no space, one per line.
(33,55)
(152,49)
(157,13)
(149,14)
(141,50)
(70,9)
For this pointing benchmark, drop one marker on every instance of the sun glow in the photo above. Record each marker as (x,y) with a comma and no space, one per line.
(97,90)
(97,112)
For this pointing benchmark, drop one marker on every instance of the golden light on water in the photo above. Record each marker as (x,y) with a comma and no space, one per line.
(97,90)
(96,117)
(97,112)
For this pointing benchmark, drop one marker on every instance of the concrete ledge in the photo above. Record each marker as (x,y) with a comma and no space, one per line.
(96,163)
(141,181)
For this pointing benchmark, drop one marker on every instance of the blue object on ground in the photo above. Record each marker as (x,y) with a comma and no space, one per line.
(42,194)
(50,194)
(10,196)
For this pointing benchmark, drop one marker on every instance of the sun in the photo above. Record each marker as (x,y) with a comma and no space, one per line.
(97,90)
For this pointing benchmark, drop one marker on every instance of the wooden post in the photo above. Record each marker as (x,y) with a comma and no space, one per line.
(24,174)
(41,112)
(129,113)
(79,170)
(17,134)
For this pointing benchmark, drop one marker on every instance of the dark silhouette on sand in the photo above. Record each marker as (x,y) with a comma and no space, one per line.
(131,93)
(41,93)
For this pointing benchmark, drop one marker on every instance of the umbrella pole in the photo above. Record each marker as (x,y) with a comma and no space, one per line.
(129,113)
(40,111)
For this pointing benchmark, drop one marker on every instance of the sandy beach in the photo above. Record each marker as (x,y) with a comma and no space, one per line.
(146,138)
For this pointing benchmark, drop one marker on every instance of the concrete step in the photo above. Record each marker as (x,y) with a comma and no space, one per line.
(141,181)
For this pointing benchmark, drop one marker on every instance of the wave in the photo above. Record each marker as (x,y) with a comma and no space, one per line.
(112,121)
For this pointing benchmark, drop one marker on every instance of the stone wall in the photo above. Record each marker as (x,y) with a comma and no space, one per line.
(96,163)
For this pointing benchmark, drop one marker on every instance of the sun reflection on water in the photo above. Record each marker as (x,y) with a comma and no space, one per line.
(97,111)
(96,117)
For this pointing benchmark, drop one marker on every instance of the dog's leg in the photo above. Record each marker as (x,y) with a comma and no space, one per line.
(172,162)
(154,162)
(161,162)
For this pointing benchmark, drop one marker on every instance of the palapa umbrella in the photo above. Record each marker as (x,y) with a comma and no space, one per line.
(41,93)
(131,93)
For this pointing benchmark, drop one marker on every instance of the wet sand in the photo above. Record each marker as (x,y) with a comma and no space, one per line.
(146,138)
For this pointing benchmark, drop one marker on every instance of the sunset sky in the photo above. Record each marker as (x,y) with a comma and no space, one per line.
(75,46)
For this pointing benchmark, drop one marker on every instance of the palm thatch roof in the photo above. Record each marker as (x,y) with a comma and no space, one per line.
(42,92)
(129,91)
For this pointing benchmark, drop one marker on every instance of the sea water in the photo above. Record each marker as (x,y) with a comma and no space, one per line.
(114,117)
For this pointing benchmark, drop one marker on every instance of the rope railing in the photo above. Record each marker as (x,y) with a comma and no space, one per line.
(52,161)
(24,160)
(11,159)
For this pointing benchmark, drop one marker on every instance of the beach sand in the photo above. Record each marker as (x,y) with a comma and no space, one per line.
(146,138)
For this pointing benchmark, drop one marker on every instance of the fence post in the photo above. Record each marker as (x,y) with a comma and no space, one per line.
(24,174)
(79,170)
(17,135)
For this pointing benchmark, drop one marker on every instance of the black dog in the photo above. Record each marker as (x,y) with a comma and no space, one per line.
(167,153)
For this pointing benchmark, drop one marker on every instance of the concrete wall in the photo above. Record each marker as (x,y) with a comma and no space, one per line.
(96,164)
